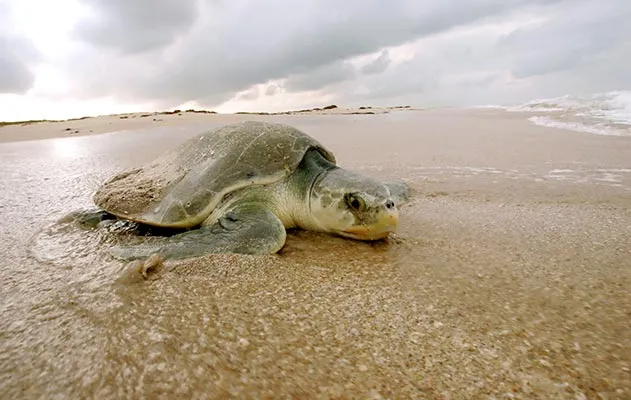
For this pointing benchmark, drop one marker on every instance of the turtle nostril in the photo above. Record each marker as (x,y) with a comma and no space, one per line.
(389,204)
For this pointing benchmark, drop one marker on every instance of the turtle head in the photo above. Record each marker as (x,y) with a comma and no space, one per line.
(352,205)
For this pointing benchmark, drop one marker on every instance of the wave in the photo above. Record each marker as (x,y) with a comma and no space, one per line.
(607,113)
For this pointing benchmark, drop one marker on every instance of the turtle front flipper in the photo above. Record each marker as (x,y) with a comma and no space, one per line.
(246,229)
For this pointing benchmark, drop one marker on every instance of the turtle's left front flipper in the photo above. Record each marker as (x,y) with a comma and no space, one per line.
(246,229)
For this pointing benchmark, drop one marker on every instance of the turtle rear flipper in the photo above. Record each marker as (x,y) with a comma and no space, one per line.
(89,218)
(246,229)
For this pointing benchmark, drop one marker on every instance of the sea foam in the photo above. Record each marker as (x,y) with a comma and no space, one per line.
(606,113)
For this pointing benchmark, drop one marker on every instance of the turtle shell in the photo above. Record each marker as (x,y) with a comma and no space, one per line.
(183,186)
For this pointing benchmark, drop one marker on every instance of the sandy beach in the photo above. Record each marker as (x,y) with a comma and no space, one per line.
(510,276)
(86,126)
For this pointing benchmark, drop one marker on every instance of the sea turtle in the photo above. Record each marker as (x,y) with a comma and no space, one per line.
(236,188)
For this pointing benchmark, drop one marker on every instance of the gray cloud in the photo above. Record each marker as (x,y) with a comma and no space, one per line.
(580,31)
(576,47)
(249,94)
(15,74)
(207,51)
(272,90)
(378,65)
(321,77)
(138,25)
(233,45)
(16,56)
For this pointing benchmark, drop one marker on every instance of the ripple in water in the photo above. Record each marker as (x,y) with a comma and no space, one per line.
(78,239)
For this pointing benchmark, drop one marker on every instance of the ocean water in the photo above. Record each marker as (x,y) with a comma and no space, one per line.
(607,113)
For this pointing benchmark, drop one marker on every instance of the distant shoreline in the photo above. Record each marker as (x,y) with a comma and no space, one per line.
(93,125)
(330,108)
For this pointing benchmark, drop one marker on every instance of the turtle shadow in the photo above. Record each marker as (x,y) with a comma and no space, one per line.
(306,246)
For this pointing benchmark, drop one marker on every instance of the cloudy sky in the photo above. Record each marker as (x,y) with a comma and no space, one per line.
(69,58)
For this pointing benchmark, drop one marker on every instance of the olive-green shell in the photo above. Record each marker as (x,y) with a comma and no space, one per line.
(183,186)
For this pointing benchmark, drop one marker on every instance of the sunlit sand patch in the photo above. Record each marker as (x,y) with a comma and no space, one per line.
(67,148)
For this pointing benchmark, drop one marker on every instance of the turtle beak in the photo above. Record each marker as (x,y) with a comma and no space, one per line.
(386,223)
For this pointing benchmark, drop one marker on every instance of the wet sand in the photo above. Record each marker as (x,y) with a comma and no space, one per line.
(510,276)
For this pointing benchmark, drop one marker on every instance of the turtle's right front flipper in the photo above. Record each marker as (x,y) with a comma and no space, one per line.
(246,229)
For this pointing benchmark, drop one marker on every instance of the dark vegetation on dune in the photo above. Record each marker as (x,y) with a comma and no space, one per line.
(178,112)
(329,107)
(37,121)
(23,123)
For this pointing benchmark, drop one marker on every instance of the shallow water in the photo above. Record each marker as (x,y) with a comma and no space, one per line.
(504,278)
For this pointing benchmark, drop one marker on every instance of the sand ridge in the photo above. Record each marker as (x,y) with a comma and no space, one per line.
(35,130)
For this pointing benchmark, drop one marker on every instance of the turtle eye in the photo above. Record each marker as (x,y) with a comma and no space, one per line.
(355,202)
